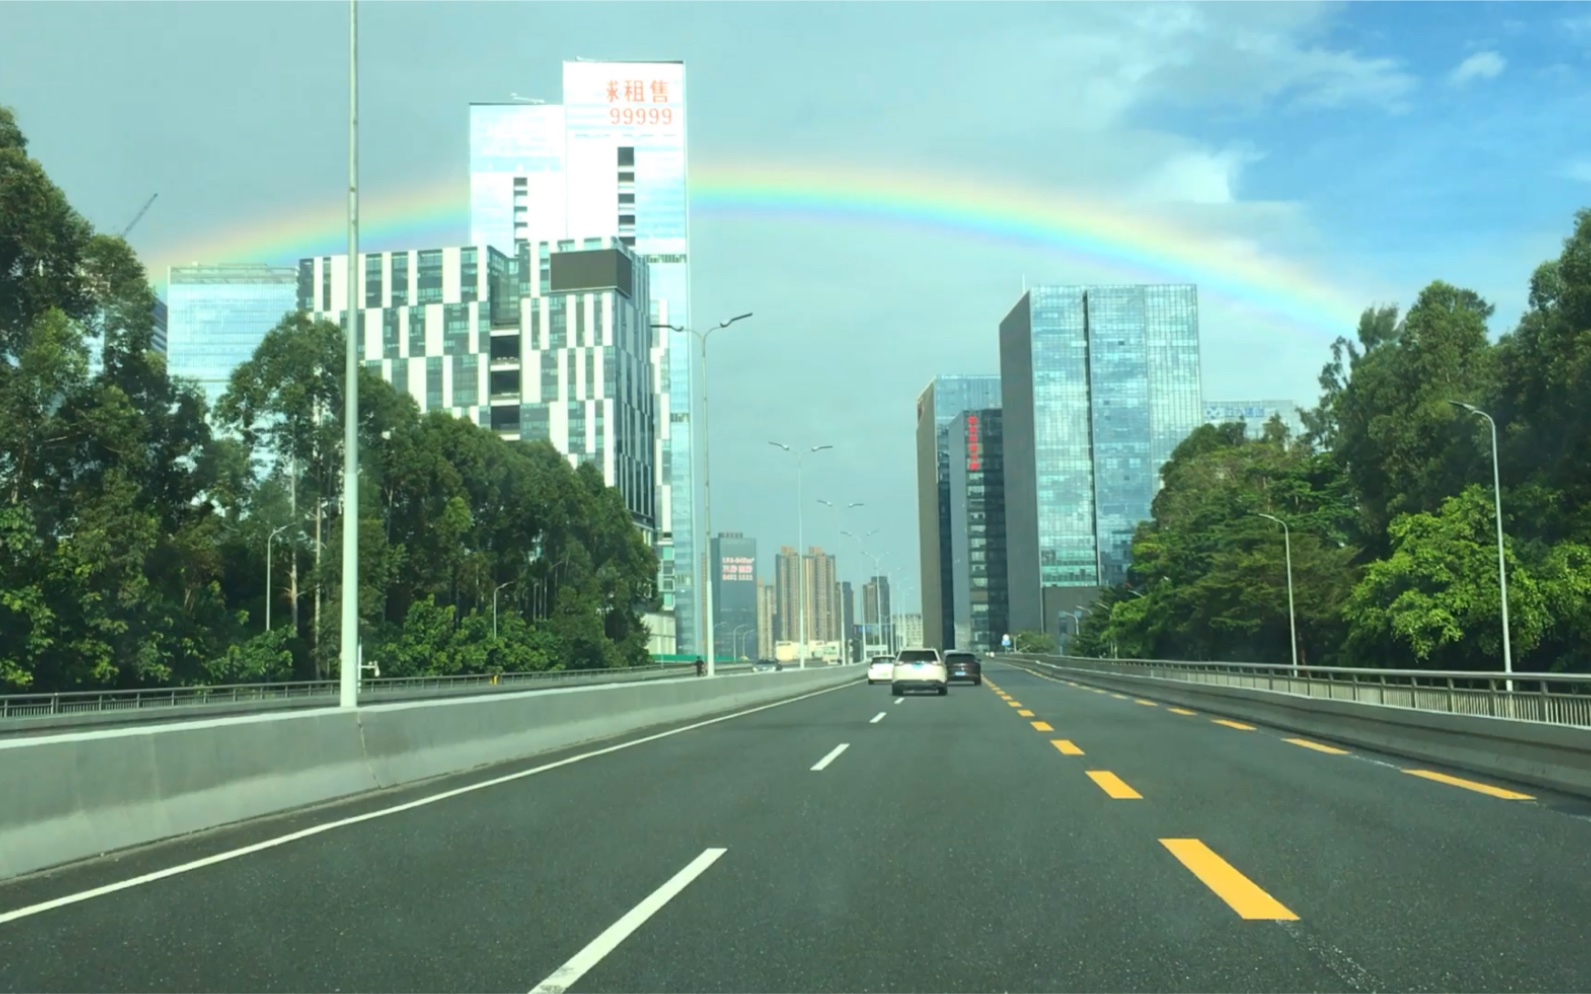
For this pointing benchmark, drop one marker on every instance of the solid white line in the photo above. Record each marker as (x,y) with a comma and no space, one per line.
(831,757)
(281,840)
(878,717)
(620,930)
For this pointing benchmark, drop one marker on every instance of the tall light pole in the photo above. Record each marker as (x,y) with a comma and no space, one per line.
(839,609)
(500,586)
(707,483)
(877,580)
(1292,618)
(1502,563)
(268,539)
(348,683)
(801,552)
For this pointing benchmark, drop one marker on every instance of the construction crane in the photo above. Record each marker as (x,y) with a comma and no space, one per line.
(140,215)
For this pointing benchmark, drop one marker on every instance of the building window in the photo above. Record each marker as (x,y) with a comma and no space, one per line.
(505,347)
(417,331)
(433,383)
(469,274)
(456,329)
(557,322)
(390,333)
(504,383)
(400,278)
(372,281)
(533,424)
(306,284)
(626,156)
(429,285)
(550,361)
(465,380)
(505,417)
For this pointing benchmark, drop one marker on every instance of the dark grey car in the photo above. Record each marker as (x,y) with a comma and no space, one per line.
(963,666)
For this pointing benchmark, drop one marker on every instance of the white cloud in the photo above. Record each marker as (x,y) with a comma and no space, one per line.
(1198,177)
(1113,59)
(1481,65)
(1578,170)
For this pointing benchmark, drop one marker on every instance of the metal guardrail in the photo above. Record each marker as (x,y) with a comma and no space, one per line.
(1551,698)
(18,711)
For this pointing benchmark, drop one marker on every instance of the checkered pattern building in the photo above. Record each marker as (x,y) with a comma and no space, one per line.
(555,344)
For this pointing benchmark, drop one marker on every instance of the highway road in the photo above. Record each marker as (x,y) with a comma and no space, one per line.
(1026,835)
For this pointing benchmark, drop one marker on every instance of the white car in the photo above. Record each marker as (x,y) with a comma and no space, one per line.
(880,669)
(919,669)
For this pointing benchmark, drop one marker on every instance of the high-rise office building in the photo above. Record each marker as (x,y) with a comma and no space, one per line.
(787,572)
(943,399)
(977,529)
(876,614)
(217,315)
(1255,415)
(610,160)
(816,571)
(1098,384)
(734,569)
(556,350)
(767,619)
(911,629)
(823,615)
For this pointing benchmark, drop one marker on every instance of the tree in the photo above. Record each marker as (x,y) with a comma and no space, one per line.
(134,540)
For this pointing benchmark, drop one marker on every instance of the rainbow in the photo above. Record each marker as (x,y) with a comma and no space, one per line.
(1065,229)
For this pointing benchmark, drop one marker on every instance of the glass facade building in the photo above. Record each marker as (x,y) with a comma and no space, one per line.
(977,530)
(1099,385)
(1255,415)
(938,405)
(160,325)
(610,160)
(216,316)
(734,569)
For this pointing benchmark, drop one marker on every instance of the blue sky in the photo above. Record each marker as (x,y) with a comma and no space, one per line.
(1345,139)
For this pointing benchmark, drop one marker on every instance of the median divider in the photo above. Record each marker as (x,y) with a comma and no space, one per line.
(1557,757)
(78,795)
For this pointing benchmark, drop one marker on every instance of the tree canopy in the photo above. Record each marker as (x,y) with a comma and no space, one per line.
(136,523)
(1389,500)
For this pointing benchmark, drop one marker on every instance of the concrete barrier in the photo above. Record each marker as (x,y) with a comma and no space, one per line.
(1554,756)
(78,795)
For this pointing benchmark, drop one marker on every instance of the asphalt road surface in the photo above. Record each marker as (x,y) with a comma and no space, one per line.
(1026,835)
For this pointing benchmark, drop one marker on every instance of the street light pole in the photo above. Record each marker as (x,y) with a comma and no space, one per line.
(1292,619)
(1502,563)
(801,555)
(500,586)
(839,609)
(268,539)
(348,684)
(878,583)
(707,486)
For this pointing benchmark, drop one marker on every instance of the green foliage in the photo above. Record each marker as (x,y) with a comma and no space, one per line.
(1389,501)
(1034,643)
(135,524)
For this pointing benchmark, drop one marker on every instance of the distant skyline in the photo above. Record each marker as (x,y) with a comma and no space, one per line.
(1297,161)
